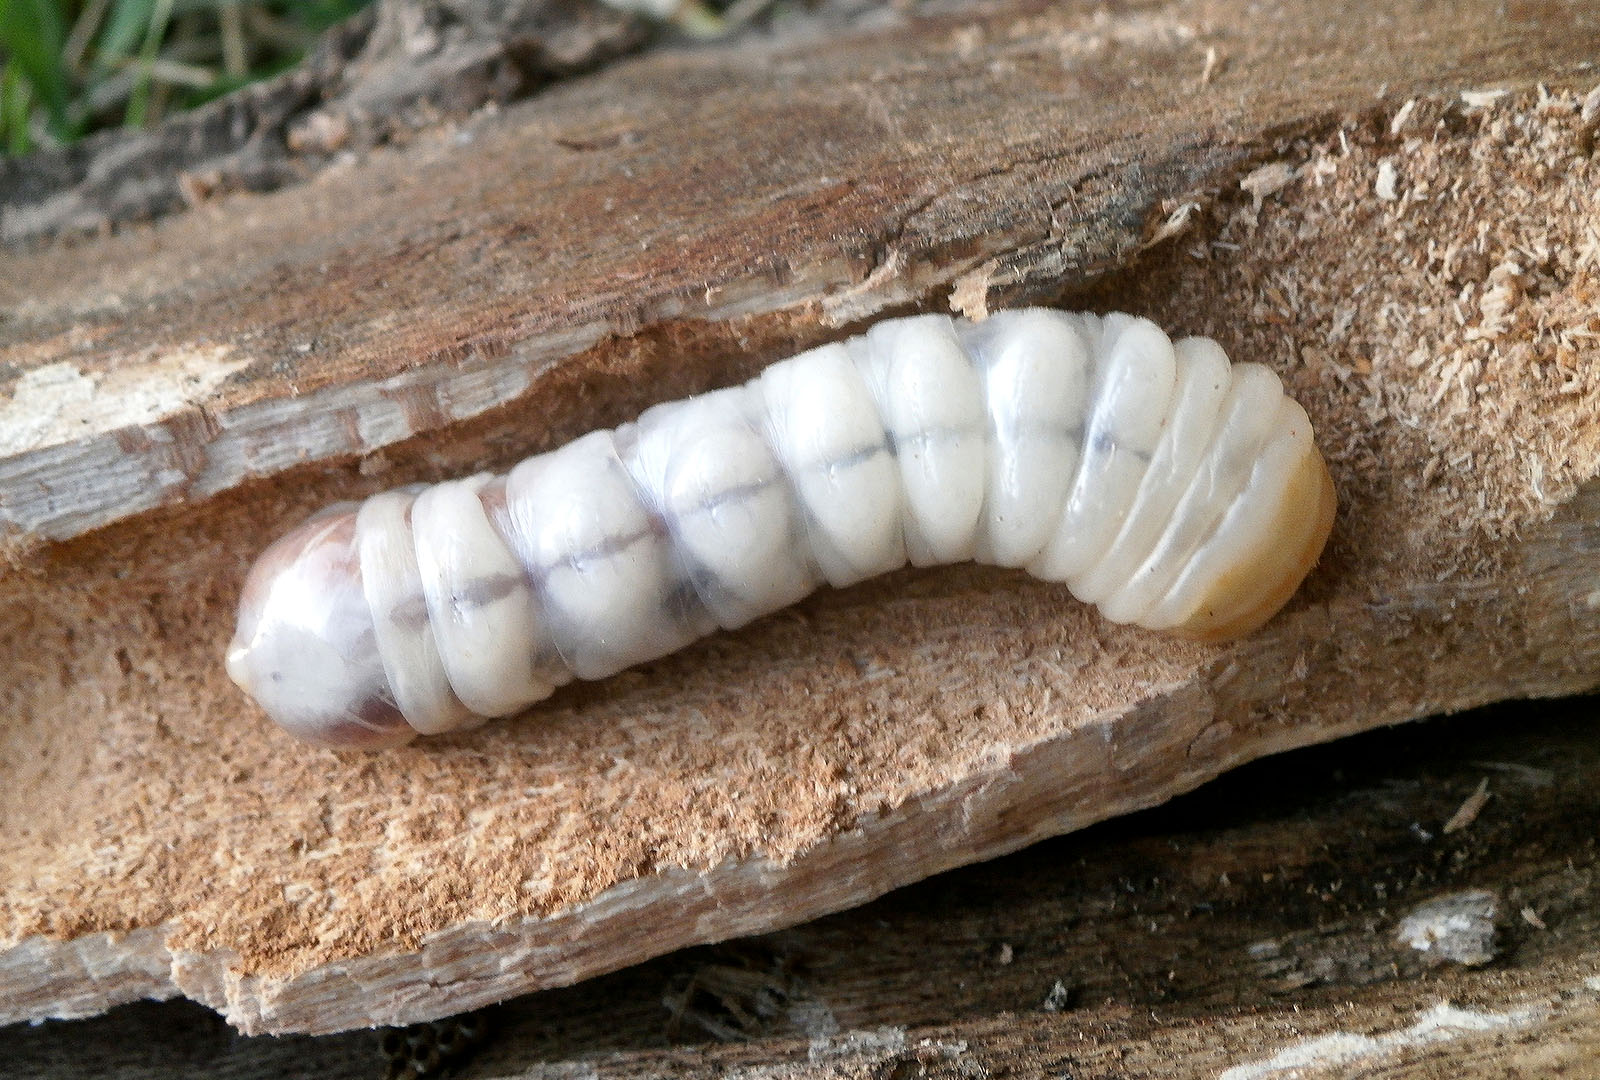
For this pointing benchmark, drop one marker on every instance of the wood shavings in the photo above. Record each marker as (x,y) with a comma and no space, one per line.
(1588,121)
(1384,186)
(1482,99)
(1398,124)
(1497,307)
(1176,223)
(1268,180)
(1469,810)
(1389,320)
(1589,114)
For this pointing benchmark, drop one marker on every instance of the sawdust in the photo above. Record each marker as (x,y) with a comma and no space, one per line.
(238,837)
(1444,341)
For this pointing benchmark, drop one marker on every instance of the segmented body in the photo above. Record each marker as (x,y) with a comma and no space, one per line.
(1154,479)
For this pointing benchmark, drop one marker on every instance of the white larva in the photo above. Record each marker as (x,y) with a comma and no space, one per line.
(1156,480)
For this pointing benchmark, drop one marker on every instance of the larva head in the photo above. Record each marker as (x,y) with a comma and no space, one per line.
(1268,571)
(304,647)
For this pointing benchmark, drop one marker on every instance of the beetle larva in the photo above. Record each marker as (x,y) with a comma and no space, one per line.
(1159,482)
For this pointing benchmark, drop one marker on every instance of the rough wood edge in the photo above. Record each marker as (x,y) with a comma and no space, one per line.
(1154,749)
(191,453)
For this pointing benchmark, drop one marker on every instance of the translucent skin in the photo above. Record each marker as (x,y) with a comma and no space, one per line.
(1156,480)
(304,645)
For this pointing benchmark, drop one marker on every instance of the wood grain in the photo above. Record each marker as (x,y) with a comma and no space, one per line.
(827,181)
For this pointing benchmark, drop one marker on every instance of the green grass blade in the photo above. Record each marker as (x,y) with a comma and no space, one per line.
(68,66)
(14,95)
(139,100)
(128,24)
(32,33)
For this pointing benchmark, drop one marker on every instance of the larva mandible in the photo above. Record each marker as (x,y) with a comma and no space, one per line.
(1159,482)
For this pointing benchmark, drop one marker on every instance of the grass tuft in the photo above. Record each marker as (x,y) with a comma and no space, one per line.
(70,67)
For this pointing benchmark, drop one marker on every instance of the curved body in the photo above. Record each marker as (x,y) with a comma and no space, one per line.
(1156,480)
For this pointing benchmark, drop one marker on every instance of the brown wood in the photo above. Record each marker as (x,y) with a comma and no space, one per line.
(1252,919)
(1419,265)
(821,182)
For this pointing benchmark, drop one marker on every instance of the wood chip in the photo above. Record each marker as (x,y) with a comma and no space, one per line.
(1469,810)
(1268,180)
(1384,187)
(1482,99)
(1399,122)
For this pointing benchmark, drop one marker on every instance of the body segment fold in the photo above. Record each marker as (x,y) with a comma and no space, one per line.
(1154,479)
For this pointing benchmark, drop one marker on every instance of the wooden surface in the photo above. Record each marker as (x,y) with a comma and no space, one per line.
(846,175)
(1420,266)
(1253,921)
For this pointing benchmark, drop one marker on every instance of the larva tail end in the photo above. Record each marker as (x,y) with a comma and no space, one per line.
(1264,579)
(303,648)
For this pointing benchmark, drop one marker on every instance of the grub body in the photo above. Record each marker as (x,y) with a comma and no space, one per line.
(1154,479)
